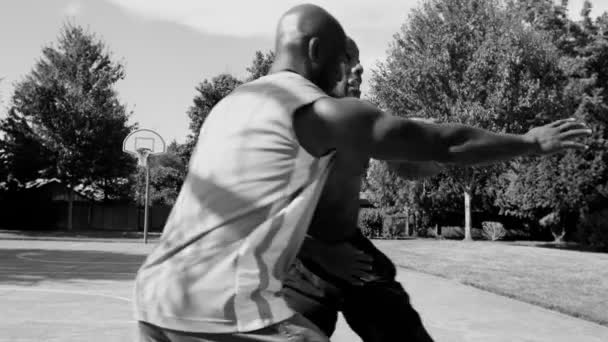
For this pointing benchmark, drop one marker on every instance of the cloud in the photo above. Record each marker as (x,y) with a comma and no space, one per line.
(73,9)
(246,18)
(371,23)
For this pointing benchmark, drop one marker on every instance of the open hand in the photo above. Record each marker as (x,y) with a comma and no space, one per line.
(558,136)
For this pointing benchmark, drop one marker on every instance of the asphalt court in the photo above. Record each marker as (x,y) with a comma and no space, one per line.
(74,291)
(67,291)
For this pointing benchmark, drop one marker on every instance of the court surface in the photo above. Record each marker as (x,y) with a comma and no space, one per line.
(74,291)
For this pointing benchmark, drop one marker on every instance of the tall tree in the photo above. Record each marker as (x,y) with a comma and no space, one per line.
(210,92)
(167,174)
(566,184)
(473,62)
(260,66)
(68,105)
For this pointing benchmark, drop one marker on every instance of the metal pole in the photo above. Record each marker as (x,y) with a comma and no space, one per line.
(146,202)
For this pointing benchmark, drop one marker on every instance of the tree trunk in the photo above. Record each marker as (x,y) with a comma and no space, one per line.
(559,238)
(407,221)
(70,208)
(467,214)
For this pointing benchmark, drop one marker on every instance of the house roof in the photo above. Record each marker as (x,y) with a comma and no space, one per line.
(89,192)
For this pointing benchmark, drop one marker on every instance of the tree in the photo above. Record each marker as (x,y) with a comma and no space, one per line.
(1,97)
(67,107)
(260,66)
(167,174)
(24,155)
(472,62)
(567,184)
(210,92)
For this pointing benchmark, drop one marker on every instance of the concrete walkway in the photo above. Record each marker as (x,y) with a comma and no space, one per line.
(454,312)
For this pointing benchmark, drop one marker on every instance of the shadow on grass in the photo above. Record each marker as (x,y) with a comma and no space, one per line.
(32,266)
(565,246)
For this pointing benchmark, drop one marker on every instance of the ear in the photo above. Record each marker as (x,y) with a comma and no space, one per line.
(314,50)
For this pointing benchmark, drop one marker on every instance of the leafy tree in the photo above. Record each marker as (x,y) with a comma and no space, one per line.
(68,110)
(1,97)
(24,155)
(260,66)
(576,181)
(167,174)
(472,62)
(210,92)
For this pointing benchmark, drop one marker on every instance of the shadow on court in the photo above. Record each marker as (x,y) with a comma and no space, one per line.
(32,266)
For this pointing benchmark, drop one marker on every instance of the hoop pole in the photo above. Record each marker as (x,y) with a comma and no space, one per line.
(146,202)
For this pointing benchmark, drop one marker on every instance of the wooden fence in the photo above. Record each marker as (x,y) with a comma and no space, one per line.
(85,216)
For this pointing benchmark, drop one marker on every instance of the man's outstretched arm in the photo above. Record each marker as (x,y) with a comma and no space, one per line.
(354,125)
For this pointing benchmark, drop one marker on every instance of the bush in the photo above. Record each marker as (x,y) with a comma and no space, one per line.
(371,222)
(593,229)
(457,233)
(393,226)
(493,231)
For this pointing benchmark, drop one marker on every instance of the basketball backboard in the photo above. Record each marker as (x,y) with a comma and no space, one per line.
(144,142)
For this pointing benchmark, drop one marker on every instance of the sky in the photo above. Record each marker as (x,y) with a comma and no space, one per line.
(170,46)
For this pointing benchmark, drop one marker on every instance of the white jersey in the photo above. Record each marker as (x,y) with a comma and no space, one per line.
(240,218)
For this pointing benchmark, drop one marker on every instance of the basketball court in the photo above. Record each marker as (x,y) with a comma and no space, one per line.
(74,291)
(67,291)
(71,291)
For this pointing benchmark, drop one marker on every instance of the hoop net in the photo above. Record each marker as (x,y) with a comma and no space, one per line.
(142,156)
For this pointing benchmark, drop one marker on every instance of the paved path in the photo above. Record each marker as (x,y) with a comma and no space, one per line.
(457,313)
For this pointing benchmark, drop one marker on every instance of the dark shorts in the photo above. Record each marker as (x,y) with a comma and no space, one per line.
(295,329)
(379,311)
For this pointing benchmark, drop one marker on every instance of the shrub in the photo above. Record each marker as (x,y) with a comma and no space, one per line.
(454,232)
(371,222)
(593,229)
(393,226)
(493,231)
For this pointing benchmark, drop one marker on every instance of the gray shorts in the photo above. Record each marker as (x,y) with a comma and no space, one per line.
(294,329)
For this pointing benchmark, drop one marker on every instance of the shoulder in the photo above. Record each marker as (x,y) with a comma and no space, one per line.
(336,124)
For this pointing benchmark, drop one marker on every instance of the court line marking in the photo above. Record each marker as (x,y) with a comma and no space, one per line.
(83,293)
(26,256)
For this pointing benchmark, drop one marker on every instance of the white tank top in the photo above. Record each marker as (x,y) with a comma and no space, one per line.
(240,218)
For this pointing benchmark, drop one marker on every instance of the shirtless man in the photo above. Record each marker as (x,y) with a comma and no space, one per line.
(255,178)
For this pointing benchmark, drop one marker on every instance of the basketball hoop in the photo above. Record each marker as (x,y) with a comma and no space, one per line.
(141,144)
(142,157)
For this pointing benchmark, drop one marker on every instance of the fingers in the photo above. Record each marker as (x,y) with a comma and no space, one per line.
(575,133)
(361,277)
(568,126)
(363,258)
(573,145)
(355,281)
(562,121)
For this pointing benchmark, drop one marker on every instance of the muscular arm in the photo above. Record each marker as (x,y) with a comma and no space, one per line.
(354,125)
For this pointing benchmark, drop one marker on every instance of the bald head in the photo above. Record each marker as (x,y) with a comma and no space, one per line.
(311,42)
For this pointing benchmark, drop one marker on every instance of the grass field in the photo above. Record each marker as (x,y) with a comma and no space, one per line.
(572,282)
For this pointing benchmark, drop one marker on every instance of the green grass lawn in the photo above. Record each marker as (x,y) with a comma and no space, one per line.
(572,282)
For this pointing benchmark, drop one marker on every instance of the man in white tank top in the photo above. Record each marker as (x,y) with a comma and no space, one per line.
(255,178)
